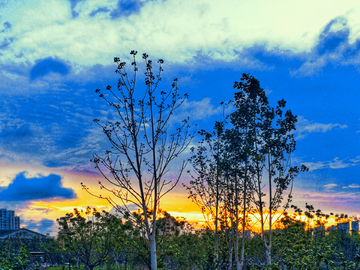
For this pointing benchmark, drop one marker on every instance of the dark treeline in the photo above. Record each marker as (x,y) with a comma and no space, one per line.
(99,240)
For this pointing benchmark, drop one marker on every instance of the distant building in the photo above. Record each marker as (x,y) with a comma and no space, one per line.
(344,227)
(355,227)
(22,233)
(8,220)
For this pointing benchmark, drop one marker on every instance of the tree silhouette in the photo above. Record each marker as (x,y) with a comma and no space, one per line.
(269,143)
(246,159)
(144,143)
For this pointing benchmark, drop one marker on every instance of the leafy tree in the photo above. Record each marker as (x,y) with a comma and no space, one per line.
(89,239)
(12,260)
(269,141)
(303,243)
(142,144)
(254,148)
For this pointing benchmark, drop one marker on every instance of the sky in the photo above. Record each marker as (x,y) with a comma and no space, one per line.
(55,53)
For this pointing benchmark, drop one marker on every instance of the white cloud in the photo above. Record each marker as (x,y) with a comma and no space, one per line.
(336,163)
(329,186)
(338,25)
(198,110)
(201,109)
(318,127)
(173,30)
(85,8)
(352,186)
(309,68)
(356,159)
(304,127)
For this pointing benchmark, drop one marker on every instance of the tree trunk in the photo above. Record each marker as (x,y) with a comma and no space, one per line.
(115,258)
(268,247)
(240,263)
(236,224)
(237,261)
(216,214)
(268,254)
(153,251)
(230,258)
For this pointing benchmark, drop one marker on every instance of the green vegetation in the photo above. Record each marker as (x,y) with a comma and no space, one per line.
(117,243)
(9,259)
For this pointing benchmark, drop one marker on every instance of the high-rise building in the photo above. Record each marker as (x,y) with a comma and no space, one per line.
(355,227)
(8,220)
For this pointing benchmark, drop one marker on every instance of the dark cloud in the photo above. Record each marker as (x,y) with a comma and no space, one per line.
(57,162)
(329,41)
(43,226)
(6,42)
(275,58)
(42,187)
(19,133)
(332,49)
(27,138)
(73,5)
(18,138)
(98,11)
(126,8)
(7,27)
(45,66)
(351,50)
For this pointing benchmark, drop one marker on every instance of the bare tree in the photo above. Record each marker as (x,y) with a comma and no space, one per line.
(144,143)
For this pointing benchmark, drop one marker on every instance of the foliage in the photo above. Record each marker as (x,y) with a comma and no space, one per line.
(88,239)
(234,163)
(269,141)
(11,260)
(180,246)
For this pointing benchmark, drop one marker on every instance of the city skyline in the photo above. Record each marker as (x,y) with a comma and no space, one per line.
(8,220)
(54,54)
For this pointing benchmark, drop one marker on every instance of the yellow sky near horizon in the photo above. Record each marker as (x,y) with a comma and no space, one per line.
(176,202)
(178,205)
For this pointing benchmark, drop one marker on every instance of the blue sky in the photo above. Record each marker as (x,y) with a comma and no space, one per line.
(54,54)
